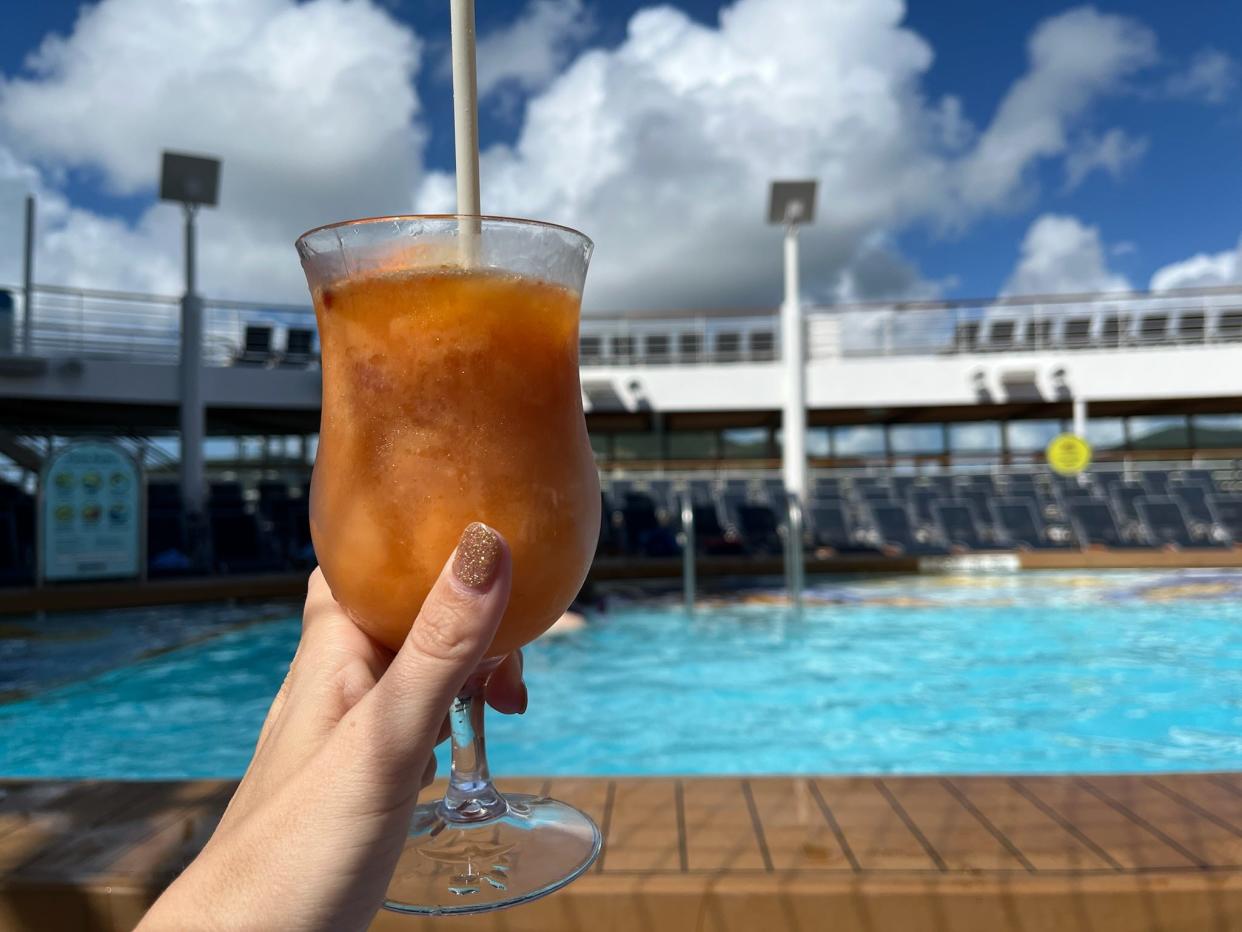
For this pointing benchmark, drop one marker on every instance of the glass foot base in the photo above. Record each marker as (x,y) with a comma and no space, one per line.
(449,868)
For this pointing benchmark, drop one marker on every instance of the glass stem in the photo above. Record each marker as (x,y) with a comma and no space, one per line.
(471,797)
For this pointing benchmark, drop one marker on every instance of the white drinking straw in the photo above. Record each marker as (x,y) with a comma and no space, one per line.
(466,125)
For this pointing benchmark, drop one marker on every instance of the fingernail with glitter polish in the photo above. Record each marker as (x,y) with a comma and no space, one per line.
(477,557)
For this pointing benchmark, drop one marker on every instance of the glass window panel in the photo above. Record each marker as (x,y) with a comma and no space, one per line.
(636,447)
(216,449)
(745,442)
(1106,433)
(1218,430)
(601,445)
(817,442)
(1031,436)
(916,438)
(693,445)
(983,437)
(1159,432)
(859,440)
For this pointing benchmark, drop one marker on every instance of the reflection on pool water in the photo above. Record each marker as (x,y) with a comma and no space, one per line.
(1021,673)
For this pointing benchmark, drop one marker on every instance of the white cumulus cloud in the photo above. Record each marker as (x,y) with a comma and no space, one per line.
(661,148)
(1201,270)
(531,50)
(1075,57)
(311,106)
(1062,255)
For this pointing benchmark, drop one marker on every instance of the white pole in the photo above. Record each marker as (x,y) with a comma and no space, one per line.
(1080,417)
(1080,427)
(793,453)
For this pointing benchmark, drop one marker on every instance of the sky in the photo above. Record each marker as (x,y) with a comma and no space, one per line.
(962,147)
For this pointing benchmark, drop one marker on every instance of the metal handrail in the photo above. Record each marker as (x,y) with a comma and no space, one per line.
(1204,460)
(689,550)
(795,557)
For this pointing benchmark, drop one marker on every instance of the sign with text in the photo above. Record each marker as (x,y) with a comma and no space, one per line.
(1068,454)
(90,519)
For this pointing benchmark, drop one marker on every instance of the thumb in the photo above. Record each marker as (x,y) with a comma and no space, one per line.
(402,714)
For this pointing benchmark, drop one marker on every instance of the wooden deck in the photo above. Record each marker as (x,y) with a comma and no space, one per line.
(970,854)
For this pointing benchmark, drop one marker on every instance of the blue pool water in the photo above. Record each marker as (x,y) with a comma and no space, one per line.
(1052,672)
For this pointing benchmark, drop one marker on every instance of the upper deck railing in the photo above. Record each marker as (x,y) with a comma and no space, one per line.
(1190,317)
(93,323)
(96,324)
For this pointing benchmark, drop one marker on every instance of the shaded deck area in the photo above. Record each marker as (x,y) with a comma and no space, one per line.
(968,854)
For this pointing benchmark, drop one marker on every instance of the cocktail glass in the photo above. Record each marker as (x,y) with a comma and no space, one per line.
(450,395)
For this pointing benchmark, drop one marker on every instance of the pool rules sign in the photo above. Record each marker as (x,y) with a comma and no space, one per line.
(89,515)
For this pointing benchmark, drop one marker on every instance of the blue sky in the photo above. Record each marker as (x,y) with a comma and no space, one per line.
(1169,192)
(1184,196)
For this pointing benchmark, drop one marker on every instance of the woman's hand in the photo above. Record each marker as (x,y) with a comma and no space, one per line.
(312,836)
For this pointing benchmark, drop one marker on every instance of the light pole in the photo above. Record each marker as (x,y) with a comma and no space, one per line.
(28,279)
(1078,402)
(792,205)
(192,181)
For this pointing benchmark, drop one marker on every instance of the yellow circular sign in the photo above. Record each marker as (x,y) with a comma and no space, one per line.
(1068,454)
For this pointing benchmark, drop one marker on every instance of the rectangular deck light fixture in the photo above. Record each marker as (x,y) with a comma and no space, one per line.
(190,179)
(792,202)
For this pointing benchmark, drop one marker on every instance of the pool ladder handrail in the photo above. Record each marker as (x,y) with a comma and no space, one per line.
(689,548)
(795,556)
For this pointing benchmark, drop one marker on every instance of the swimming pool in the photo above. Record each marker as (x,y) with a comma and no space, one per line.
(1018,673)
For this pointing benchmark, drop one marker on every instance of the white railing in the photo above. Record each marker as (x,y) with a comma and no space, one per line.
(97,324)
(72,321)
(1190,317)
(142,327)
(679,338)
